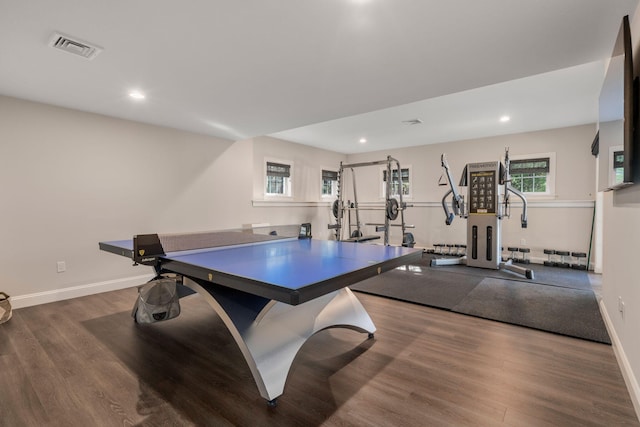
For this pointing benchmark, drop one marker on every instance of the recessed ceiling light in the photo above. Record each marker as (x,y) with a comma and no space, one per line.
(505,119)
(363,140)
(136,94)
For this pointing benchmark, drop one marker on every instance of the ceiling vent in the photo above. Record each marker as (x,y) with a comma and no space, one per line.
(74,45)
(412,122)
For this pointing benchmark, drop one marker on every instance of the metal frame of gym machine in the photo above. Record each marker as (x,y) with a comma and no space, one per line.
(392,206)
(486,183)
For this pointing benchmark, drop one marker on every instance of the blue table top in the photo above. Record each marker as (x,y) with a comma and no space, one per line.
(289,264)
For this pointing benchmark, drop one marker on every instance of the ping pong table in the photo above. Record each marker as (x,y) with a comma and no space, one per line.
(272,292)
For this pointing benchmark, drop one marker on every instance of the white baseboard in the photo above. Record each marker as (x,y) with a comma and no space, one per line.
(37,298)
(630,380)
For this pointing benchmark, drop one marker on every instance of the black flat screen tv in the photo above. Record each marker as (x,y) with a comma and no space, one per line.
(617,117)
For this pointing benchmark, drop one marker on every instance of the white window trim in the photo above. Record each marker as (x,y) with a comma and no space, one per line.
(334,190)
(383,185)
(551,178)
(289,189)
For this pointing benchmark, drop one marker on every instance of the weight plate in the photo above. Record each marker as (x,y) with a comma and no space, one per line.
(336,209)
(392,209)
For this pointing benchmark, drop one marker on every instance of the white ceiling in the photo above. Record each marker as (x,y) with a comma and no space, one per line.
(319,72)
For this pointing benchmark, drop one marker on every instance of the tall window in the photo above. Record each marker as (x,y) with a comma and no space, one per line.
(329,183)
(403,183)
(618,166)
(530,175)
(278,179)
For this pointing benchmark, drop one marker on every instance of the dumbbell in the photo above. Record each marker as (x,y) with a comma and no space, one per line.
(550,262)
(513,251)
(564,262)
(580,256)
(525,255)
(448,246)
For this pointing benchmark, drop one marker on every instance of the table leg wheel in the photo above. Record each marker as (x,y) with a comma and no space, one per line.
(370,335)
(272,403)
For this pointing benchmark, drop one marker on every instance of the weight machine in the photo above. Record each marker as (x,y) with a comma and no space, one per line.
(488,187)
(393,207)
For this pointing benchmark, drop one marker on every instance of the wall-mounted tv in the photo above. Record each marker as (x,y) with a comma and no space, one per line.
(617,117)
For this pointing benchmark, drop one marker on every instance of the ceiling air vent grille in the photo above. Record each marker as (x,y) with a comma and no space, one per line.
(74,46)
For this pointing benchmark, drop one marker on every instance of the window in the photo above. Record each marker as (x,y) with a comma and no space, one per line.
(278,179)
(532,175)
(404,182)
(618,166)
(329,183)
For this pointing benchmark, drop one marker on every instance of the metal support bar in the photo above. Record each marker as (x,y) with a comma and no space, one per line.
(391,225)
(358,165)
(392,206)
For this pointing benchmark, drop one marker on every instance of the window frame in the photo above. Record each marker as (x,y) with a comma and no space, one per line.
(612,163)
(551,175)
(383,185)
(334,184)
(287,181)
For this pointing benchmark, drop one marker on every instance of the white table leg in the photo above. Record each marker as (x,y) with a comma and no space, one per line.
(270,333)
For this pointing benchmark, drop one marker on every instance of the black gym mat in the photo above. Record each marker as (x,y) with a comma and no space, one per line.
(558,300)
(436,289)
(572,312)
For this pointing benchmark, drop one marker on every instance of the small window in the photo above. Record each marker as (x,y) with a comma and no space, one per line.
(278,179)
(404,182)
(531,175)
(618,166)
(329,183)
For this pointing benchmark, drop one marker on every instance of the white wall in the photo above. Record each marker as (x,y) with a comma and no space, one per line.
(621,250)
(561,222)
(72,179)
(306,203)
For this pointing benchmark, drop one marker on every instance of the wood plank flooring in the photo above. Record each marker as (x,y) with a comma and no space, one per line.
(83,362)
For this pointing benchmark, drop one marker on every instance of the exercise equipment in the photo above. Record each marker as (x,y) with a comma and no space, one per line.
(564,259)
(487,204)
(550,261)
(393,208)
(408,240)
(580,257)
(524,259)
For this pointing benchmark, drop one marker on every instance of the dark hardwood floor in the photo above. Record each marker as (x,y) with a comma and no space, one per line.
(84,362)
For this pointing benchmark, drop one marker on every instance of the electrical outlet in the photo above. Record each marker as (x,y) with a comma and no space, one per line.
(523,241)
(62,266)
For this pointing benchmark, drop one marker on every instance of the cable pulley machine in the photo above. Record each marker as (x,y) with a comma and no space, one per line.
(488,188)
(393,208)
